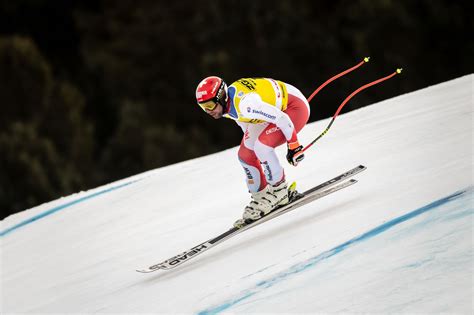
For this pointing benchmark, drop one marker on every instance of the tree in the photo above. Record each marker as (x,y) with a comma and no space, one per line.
(46,145)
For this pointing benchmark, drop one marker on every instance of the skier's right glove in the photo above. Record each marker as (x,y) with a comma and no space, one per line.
(295,153)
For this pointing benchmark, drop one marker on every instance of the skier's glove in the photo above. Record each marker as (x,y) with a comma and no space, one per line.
(295,153)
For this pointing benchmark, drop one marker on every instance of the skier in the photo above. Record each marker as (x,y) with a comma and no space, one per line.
(270,113)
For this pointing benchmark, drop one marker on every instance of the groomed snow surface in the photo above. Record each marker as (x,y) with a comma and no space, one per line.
(398,241)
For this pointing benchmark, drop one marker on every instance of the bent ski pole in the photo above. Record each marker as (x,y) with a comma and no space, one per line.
(398,71)
(366,59)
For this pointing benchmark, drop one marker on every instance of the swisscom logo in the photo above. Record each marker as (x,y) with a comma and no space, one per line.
(260,112)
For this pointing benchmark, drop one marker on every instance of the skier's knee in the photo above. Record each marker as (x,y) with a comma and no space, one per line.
(262,150)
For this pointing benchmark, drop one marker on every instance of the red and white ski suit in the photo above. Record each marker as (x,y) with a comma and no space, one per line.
(270,113)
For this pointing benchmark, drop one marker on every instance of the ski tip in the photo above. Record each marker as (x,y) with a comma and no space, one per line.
(366,59)
(399,70)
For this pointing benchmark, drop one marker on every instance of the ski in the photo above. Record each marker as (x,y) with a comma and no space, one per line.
(317,192)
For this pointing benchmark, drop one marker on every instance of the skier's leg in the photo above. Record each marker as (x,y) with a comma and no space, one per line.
(253,171)
(262,201)
(256,180)
(262,142)
(272,168)
(272,137)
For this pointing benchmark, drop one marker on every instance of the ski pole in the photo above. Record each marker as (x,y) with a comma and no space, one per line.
(366,59)
(398,71)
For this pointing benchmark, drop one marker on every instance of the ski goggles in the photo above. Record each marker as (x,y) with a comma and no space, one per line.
(209,105)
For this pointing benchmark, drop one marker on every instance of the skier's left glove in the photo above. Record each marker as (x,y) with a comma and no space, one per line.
(295,153)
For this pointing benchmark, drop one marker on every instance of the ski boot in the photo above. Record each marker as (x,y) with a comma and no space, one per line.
(265,201)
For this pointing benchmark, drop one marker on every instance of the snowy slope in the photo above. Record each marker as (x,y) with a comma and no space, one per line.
(399,241)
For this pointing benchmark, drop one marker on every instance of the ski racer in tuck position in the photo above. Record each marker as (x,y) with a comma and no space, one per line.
(270,113)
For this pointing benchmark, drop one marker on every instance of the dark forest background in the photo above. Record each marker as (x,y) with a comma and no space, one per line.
(95,91)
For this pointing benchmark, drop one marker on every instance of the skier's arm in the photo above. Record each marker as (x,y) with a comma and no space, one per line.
(252,106)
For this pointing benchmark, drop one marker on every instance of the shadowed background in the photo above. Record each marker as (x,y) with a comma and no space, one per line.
(94,91)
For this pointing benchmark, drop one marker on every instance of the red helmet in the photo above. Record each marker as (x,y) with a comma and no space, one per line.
(210,92)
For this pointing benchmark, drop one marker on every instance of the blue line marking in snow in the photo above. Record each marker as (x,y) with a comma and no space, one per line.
(296,269)
(61,207)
